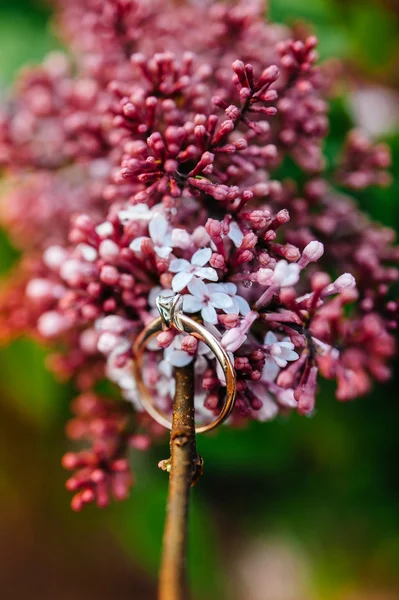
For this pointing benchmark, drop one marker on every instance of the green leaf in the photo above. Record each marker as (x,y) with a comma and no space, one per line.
(374,34)
(27,385)
(24,37)
(8,254)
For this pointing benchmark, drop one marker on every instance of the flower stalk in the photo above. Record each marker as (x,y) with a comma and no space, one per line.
(185,466)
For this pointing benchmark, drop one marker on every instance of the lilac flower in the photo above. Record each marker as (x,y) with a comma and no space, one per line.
(269,408)
(176,356)
(52,324)
(235,234)
(283,275)
(234,338)
(281,352)
(160,235)
(186,271)
(202,298)
(139,212)
(239,304)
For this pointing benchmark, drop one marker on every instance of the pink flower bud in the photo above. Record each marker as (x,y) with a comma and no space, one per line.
(165,338)
(108,250)
(311,253)
(189,344)
(343,282)
(52,324)
(109,275)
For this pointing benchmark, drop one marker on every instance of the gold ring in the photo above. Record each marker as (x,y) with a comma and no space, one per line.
(171,315)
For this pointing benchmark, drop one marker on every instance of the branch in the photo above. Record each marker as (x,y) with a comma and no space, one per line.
(185,468)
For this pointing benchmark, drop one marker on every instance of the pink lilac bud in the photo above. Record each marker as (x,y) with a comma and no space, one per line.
(54,257)
(217,261)
(108,250)
(189,344)
(312,253)
(52,324)
(107,342)
(165,338)
(343,282)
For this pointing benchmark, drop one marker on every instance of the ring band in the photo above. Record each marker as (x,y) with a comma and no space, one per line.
(171,315)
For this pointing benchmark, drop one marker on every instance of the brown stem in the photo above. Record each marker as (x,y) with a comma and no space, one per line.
(185,468)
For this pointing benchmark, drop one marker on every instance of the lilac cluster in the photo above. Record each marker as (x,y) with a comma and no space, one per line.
(102,471)
(150,168)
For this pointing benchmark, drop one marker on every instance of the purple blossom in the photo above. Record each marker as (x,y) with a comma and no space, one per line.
(152,167)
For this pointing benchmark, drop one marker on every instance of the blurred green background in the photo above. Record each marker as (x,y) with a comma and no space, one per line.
(294,509)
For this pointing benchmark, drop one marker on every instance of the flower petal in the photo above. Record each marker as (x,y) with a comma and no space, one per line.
(202,350)
(281,362)
(235,234)
(270,370)
(233,339)
(292,275)
(268,411)
(270,338)
(137,212)
(242,305)
(163,251)
(229,288)
(179,264)
(290,355)
(136,243)
(234,309)
(220,300)
(157,228)
(180,238)
(180,280)
(216,287)
(207,273)
(165,368)
(286,343)
(286,398)
(209,314)
(201,257)
(197,288)
(179,358)
(269,408)
(191,304)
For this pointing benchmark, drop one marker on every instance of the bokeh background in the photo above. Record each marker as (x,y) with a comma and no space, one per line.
(290,510)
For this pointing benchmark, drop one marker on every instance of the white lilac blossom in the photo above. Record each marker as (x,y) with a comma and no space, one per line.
(283,275)
(235,234)
(239,305)
(138,212)
(105,229)
(235,338)
(175,356)
(279,354)
(205,300)
(160,235)
(281,351)
(186,270)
